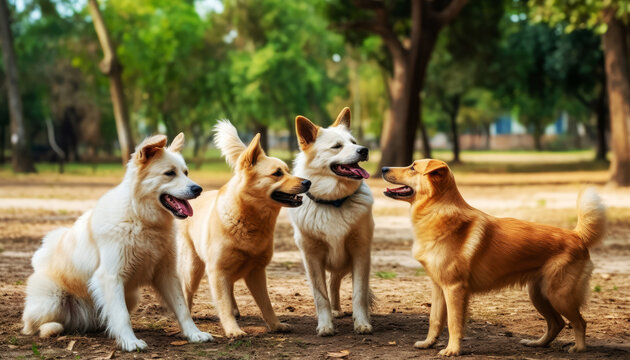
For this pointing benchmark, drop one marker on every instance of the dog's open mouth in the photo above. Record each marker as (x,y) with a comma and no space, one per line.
(179,207)
(291,200)
(352,171)
(402,192)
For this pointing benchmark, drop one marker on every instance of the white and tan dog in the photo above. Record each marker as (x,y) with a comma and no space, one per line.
(87,277)
(231,237)
(334,227)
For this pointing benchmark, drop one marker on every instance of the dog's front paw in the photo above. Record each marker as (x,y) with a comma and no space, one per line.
(281,328)
(363,328)
(449,351)
(199,337)
(531,343)
(326,330)
(575,349)
(235,333)
(424,344)
(132,344)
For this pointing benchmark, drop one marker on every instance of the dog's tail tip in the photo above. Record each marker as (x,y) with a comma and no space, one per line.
(591,224)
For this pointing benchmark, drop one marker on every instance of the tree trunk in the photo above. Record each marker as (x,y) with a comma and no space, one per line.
(618,85)
(263,130)
(21,159)
(2,137)
(602,122)
(454,130)
(111,67)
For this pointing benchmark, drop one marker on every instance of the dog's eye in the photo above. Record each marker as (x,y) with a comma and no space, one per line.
(337,146)
(170,173)
(412,168)
(354,142)
(186,172)
(277,173)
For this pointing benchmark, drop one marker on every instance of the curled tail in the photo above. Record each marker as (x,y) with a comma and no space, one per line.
(591,223)
(227,140)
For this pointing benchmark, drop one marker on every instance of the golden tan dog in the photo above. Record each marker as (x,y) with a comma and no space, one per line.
(232,234)
(466,251)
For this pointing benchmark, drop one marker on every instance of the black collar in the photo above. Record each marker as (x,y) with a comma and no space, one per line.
(336,203)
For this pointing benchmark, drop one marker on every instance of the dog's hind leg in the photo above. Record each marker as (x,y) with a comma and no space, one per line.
(256,281)
(44,310)
(190,269)
(544,307)
(333,291)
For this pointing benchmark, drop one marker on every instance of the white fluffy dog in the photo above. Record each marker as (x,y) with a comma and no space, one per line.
(87,277)
(334,226)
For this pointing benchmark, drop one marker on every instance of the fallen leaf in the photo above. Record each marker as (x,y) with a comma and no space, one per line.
(339,354)
(13,347)
(61,338)
(179,342)
(110,355)
(173,333)
(71,345)
(155,356)
(392,342)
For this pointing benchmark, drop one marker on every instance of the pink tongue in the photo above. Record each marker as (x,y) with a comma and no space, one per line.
(359,172)
(182,206)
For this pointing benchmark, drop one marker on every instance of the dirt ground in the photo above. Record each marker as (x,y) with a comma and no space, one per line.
(32,206)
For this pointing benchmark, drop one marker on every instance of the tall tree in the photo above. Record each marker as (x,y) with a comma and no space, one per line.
(607,18)
(409,40)
(21,159)
(111,67)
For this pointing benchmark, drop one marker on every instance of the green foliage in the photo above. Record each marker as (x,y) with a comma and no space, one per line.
(579,14)
(387,275)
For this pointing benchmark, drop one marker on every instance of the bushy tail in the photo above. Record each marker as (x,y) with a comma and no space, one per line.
(227,140)
(591,223)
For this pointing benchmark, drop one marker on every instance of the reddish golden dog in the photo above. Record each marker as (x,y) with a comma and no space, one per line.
(466,251)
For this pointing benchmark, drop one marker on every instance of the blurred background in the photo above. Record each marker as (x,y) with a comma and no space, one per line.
(488,85)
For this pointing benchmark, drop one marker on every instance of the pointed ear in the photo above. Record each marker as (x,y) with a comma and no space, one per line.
(178,143)
(343,118)
(252,153)
(306,131)
(435,167)
(148,148)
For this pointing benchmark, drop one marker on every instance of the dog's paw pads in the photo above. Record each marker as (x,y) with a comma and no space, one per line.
(200,337)
(449,352)
(133,345)
(325,330)
(363,329)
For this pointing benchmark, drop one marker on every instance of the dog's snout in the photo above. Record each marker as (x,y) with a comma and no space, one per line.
(385,170)
(363,151)
(196,189)
(306,184)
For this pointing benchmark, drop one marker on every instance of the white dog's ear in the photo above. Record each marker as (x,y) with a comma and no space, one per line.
(306,131)
(149,147)
(253,152)
(178,143)
(343,118)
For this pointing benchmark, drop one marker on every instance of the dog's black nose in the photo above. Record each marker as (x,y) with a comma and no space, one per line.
(363,151)
(306,184)
(385,170)
(196,189)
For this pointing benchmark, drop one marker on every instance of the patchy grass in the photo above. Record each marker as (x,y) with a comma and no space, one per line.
(387,275)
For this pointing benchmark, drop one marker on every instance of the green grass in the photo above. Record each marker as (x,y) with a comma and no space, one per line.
(597,288)
(483,161)
(387,275)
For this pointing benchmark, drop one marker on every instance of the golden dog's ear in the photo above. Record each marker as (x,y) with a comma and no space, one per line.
(306,131)
(343,118)
(436,167)
(178,143)
(148,148)
(253,152)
